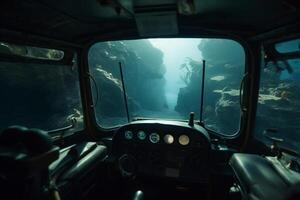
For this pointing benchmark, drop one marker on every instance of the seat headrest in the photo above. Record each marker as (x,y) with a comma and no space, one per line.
(29,141)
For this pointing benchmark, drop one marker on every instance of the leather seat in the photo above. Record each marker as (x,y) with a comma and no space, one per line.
(25,155)
(257,177)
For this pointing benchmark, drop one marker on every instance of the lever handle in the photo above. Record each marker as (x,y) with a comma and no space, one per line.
(275,140)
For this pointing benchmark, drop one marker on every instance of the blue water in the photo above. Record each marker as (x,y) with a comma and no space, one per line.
(175,53)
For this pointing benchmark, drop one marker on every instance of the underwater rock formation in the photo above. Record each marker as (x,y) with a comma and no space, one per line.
(227,111)
(144,79)
(277,107)
(189,96)
(224,70)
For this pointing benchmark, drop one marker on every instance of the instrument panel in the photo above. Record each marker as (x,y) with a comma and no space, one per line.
(155,138)
(163,149)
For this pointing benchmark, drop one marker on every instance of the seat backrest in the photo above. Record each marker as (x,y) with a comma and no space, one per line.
(25,155)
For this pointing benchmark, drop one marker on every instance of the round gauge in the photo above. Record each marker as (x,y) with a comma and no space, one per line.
(154,138)
(141,135)
(169,139)
(128,135)
(184,140)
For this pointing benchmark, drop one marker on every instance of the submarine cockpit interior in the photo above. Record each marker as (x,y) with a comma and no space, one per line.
(138,100)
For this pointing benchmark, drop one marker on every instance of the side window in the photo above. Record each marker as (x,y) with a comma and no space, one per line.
(279,101)
(38,95)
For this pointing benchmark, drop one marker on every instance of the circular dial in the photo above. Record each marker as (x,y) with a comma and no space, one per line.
(169,139)
(154,138)
(127,165)
(141,135)
(128,135)
(184,140)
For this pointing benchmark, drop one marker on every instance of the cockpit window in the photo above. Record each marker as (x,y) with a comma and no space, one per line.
(39,95)
(279,103)
(162,79)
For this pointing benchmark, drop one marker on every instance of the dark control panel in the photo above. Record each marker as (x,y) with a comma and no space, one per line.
(165,148)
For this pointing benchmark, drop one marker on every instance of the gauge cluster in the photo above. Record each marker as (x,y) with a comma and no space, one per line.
(155,138)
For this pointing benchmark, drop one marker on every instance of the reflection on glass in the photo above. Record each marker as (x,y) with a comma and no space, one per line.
(31,52)
(289,46)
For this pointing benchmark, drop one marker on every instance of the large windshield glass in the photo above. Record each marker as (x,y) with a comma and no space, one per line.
(163,79)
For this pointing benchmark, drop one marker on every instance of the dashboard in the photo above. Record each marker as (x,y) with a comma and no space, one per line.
(163,149)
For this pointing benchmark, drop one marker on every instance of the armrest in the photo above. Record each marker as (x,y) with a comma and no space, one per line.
(92,158)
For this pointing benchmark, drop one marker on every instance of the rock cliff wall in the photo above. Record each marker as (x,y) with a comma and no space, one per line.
(225,61)
(143,71)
